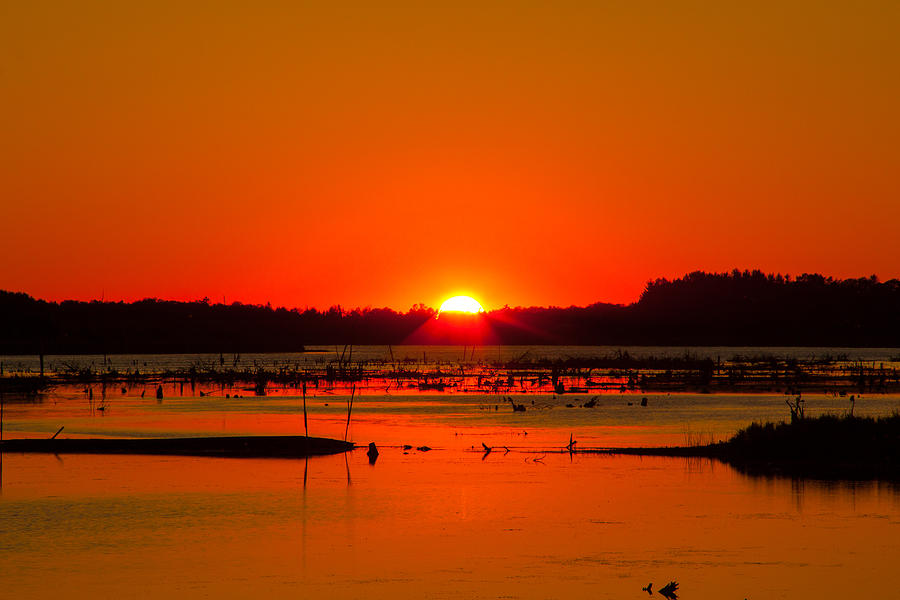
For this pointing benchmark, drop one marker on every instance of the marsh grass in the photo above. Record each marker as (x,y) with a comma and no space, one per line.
(695,439)
(619,373)
(827,445)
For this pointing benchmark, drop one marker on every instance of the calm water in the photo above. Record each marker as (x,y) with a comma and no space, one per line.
(449,523)
(431,354)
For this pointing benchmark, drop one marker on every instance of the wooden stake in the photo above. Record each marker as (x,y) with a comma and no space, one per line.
(305,424)
(349,410)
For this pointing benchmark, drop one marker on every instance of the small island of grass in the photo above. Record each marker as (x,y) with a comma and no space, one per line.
(827,446)
(824,447)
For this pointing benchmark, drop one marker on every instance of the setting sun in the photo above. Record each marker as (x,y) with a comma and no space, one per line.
(461,304)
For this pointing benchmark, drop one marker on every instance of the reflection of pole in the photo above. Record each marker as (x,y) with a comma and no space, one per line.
(1,440)
(347,465)
(303,522)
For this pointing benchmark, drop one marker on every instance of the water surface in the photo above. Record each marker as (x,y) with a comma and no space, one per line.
(446,523)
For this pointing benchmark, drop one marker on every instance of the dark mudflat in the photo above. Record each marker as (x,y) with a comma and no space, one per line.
(239,447)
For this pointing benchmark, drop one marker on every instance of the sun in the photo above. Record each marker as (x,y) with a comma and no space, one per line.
(461,304)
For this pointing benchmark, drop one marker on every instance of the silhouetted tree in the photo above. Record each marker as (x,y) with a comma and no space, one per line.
(739,308)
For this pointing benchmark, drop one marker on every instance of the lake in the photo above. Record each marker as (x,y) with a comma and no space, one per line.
(523,521)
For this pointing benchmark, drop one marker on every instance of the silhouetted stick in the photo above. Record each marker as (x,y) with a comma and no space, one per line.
(349,410)
(305,424)
(58,432)
(487,450)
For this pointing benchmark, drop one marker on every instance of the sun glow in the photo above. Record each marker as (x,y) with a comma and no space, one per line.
(461,304)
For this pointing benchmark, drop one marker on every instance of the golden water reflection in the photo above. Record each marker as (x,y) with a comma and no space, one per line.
(448,523)
(443,524)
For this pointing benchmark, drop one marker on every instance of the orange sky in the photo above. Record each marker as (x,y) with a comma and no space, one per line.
(383,154)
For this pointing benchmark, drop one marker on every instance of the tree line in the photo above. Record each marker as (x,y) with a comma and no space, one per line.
(741,308)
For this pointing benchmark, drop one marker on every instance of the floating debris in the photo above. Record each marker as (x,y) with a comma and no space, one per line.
(669,590)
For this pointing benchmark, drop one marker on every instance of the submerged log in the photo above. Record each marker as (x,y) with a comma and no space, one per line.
(282,446)
(372,453)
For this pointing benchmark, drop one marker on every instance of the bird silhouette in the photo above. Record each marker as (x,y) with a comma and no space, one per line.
(648,589)
(516,407)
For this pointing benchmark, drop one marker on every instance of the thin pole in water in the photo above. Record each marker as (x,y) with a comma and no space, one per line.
(349,409)
(305,424)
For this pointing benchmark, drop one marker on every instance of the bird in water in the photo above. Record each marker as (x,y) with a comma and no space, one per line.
(516,407)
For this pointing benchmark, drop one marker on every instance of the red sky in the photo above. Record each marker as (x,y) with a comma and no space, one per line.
(385,155)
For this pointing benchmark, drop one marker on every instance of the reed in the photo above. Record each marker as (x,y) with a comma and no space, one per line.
(618,372)
(349,410)
(305,422)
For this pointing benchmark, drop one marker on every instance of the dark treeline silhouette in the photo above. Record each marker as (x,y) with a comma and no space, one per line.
(29,326)
(741,308)
(752,308)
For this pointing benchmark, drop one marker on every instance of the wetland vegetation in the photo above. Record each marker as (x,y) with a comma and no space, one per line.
(827,446)
(616,371)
